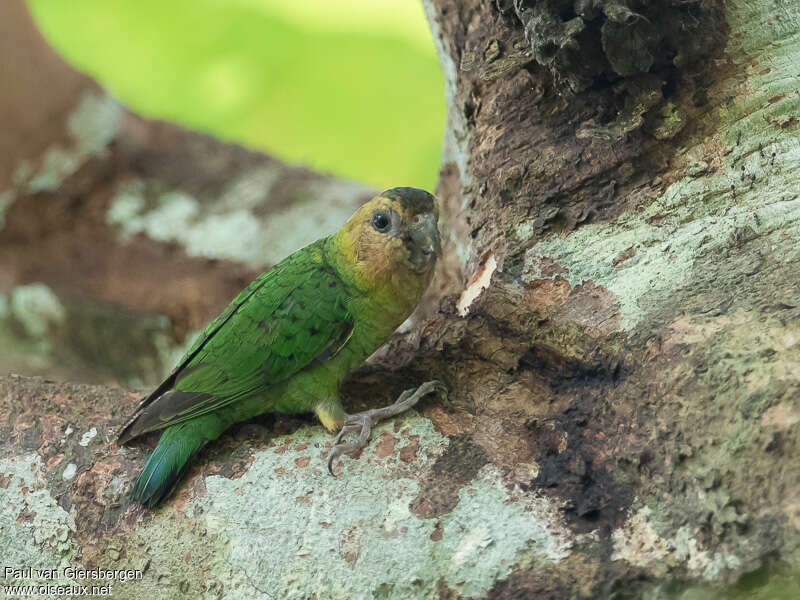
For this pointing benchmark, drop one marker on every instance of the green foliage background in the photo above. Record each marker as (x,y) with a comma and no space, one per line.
(352,87)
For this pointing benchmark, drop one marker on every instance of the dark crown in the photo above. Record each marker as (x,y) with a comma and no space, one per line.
(414,200)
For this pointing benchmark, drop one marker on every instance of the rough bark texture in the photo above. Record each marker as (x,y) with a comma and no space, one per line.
(621,198)
(630,170)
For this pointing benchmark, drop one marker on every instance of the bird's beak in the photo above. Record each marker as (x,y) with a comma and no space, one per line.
(425,243)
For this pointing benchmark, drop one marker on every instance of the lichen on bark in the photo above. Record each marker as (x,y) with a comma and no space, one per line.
(307,534)
(617,328)
(652,240)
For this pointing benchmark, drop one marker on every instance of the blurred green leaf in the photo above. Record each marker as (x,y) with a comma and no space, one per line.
(358,93)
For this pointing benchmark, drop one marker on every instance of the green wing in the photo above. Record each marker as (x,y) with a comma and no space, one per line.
(291,316)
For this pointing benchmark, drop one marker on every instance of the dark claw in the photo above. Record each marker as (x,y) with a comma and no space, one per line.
(363,422)
(435,386)
(331,456)
(340,448)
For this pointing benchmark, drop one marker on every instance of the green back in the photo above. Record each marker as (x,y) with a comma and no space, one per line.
(288,318)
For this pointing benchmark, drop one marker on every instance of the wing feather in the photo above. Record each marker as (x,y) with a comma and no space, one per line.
(285,320)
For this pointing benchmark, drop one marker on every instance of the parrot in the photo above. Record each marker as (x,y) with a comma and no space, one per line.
(287,340)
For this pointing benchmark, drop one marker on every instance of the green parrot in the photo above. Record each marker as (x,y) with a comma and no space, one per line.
(288,339)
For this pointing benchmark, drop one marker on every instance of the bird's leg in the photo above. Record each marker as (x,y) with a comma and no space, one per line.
(363,422)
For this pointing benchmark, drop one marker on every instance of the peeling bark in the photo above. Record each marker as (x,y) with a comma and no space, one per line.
(616,323)
(638,339)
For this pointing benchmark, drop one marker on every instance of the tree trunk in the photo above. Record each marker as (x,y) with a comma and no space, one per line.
(628,183)
(620,192)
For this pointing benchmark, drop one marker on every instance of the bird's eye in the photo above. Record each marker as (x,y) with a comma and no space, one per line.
(380,221)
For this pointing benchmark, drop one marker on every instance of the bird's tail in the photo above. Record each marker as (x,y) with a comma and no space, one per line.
(170,458)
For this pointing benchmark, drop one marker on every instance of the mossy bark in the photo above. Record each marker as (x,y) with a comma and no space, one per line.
(615,317)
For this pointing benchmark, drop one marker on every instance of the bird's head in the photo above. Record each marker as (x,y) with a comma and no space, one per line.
(393,238)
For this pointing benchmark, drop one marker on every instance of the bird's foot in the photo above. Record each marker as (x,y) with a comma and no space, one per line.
(363,422)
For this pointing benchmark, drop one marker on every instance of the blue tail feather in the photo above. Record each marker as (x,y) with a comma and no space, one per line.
(169,460)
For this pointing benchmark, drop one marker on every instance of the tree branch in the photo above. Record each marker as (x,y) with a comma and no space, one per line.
(114,227)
